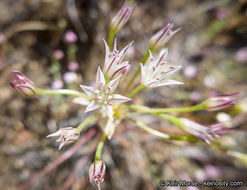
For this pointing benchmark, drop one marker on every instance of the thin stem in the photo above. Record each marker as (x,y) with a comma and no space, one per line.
(111,37)
(143,109)
(160,134)
(172,119)
(90,119)
(137,89)
(145,58)
(100,147)
(68,92)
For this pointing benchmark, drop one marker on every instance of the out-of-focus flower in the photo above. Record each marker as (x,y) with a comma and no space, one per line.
(159,39)
(70,77)
(190,71)
(67,135)
(114,66)
(102,95)
(57,84)
(70,37)
(155,72)
(58,54)
(96,173)
(212,172)
(241,55)
(122,17)
(221,101)
(221,13)
(2,37)
(73,66)
(23,84)
(195,96)
(210,81)
(206,133)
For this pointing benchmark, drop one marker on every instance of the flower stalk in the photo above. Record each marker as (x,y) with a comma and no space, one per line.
(68,92)
(100,147)
(87,121)
(144,109)
(158,133)
(136,74)
(137,89)
(111,36)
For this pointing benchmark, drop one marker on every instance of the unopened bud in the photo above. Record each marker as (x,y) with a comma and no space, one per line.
(23,84)
(221,101)
(159,39)
(96,173)
(122,17)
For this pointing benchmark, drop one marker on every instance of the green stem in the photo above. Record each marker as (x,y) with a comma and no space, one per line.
(68,92)
(172,119)
(160,134)
(100,147)
(145,58)
(143,109)
(137,89)
(111,38)
(90,119)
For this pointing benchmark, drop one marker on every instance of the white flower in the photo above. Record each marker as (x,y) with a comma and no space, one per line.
(114,66)
(67,136)
(102,95)
(155,72)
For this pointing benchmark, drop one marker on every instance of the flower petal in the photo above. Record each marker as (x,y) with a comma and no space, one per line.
(90,91)
(124,51)
(143,73)
(81,101)
(112,85)
(108,110)
(107,53)
(100,79)
(56,133)
(165,82)
(118,69)
(118,99)
(115,45)
(92,106)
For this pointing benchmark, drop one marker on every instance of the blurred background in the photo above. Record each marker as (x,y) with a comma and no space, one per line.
(58,44)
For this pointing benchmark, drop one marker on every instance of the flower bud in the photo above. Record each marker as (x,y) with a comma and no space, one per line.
(70,37)
(221,101)
(206,133)
(67,135)
(159,39)
(58,54)
(23,84)
(96,173)
(122,17)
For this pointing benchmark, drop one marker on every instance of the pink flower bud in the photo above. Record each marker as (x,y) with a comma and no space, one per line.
(221,101)
(122,17)
(159,39)
(58,54)
(96,173)
(23,84)
(67,135)
(73,66)
(70,37)
(2,38)
(57,84)
(206,133)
